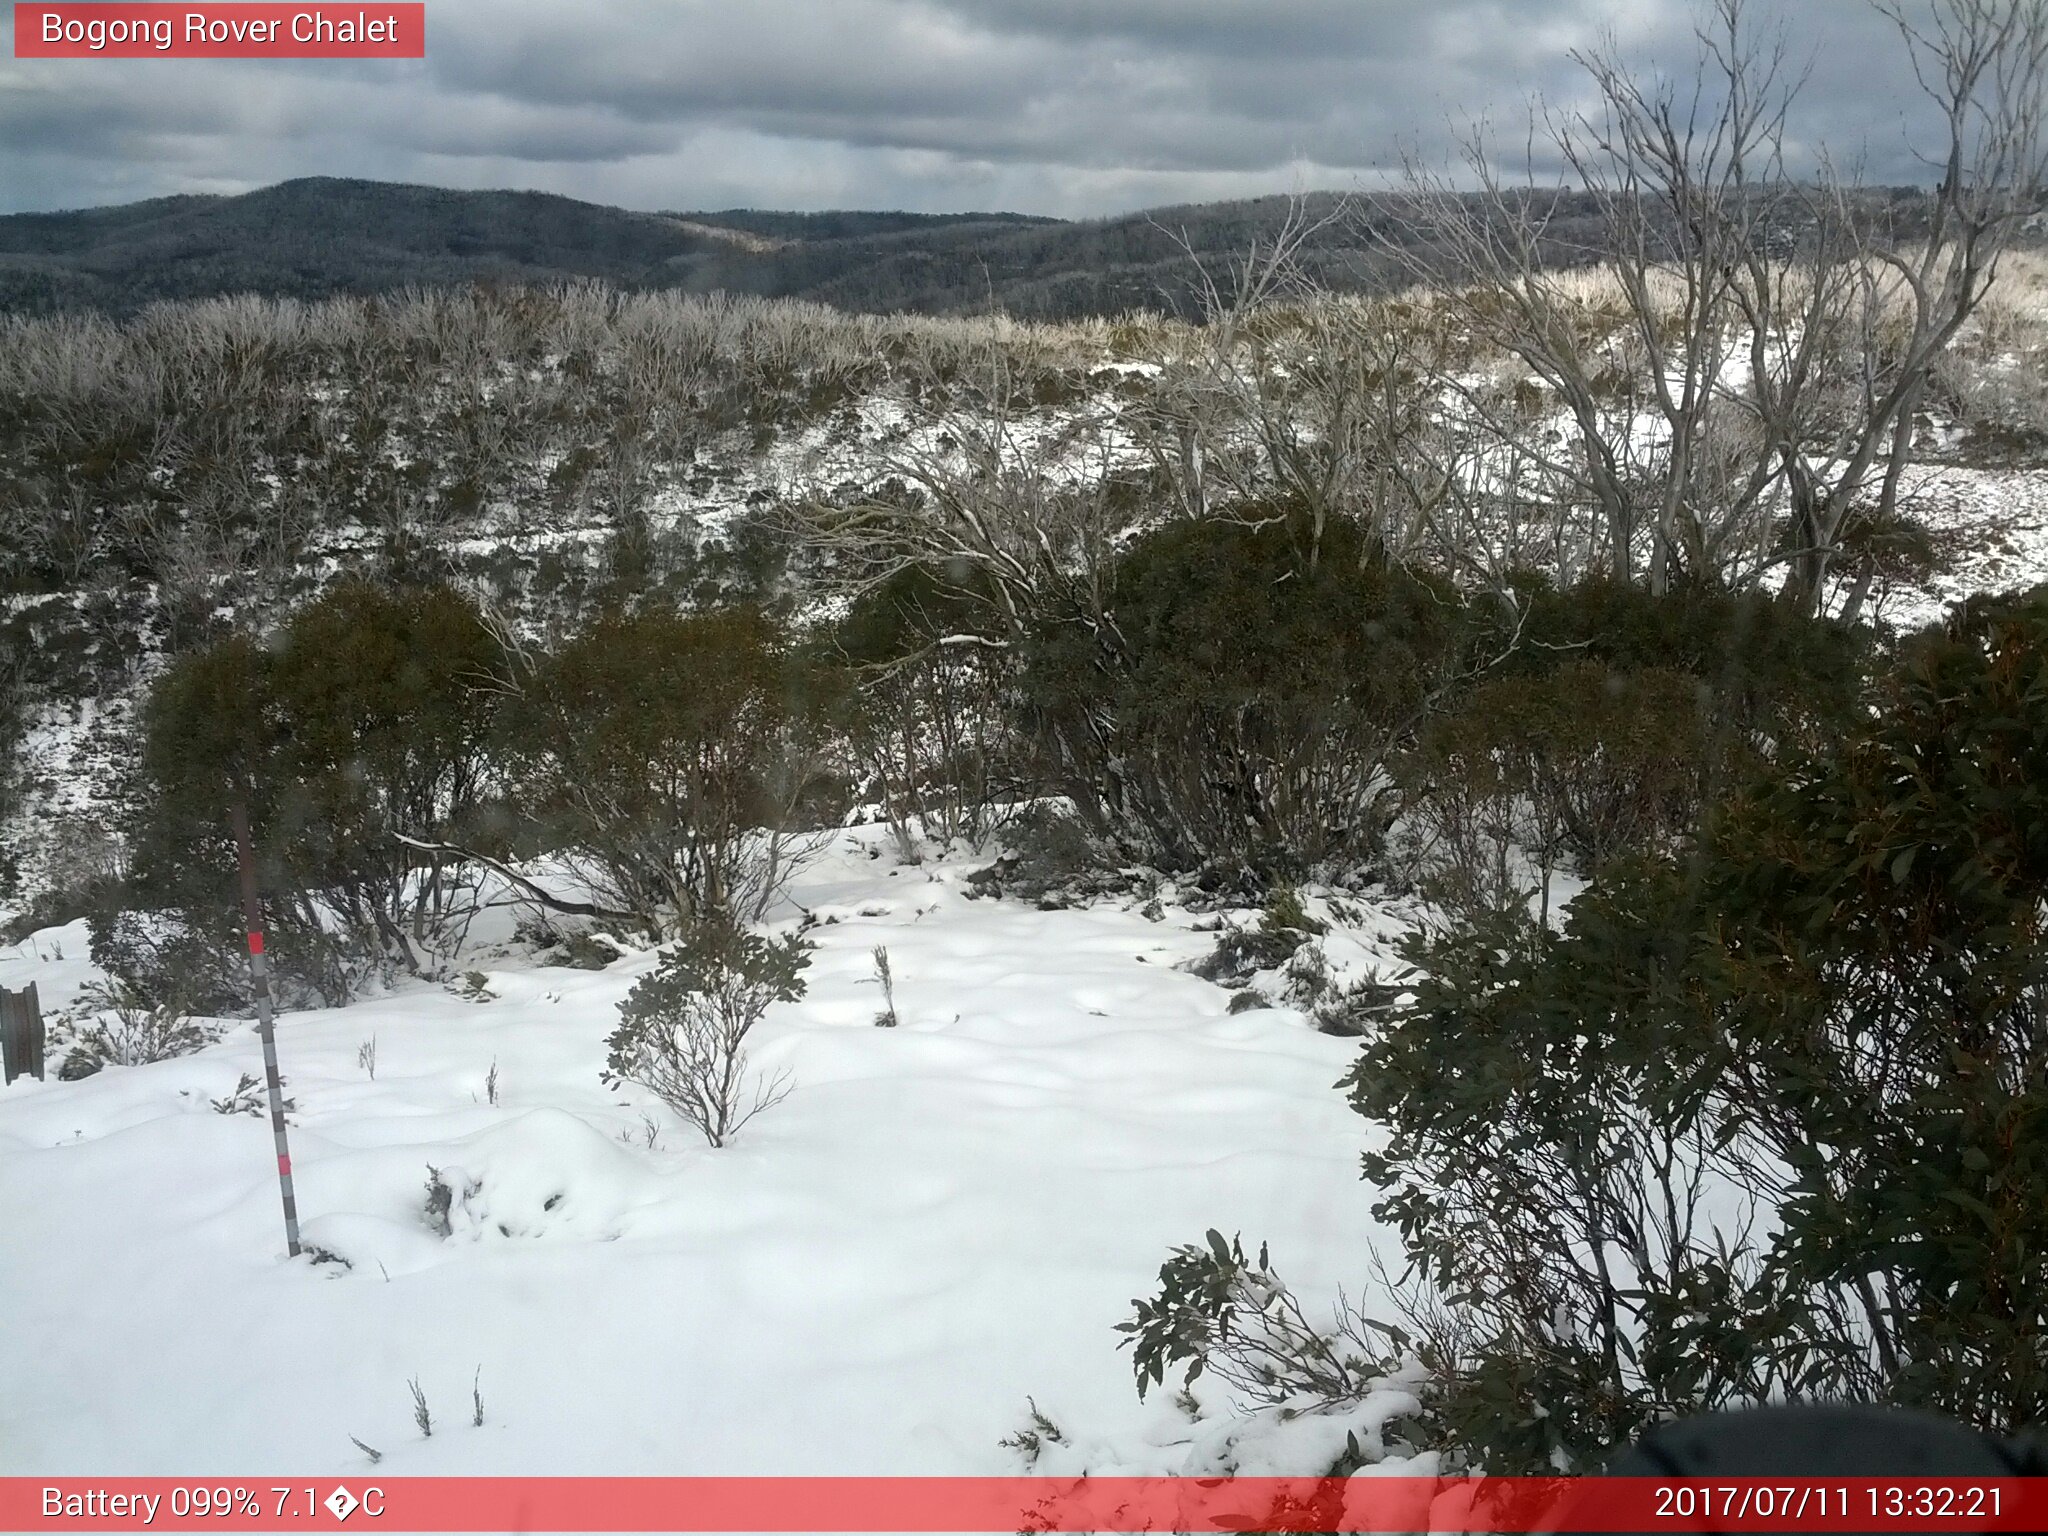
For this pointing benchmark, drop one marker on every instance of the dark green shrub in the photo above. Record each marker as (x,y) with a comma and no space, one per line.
(388,698)
(13,726)
(1885,961)
(1777,676)
(1770,1120)
(1614,717)
(671,757)
(210,734)
(1222,1313)
(1583,762)
(368,723)
(1239,701)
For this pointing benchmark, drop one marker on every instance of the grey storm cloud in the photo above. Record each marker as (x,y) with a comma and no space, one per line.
(1069,107)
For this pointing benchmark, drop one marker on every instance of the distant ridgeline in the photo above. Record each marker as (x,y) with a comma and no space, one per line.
(322,236)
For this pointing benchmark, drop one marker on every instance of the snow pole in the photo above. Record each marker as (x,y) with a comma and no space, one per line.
(259,969)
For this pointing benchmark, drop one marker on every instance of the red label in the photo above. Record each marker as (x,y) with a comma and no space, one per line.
(1670,1506)
(284,1165)
(255,942)
(216,31)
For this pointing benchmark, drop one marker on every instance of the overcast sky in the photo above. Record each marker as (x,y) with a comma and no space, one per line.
(1068,107)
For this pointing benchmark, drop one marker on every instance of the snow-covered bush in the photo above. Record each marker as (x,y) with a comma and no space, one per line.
(250,1096)
(583,952)
(128,1030)
(1052,859)
(684,1026)
(1313,1405)
(1282,931)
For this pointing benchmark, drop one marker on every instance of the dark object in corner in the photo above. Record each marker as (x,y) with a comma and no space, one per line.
(1814,1441)
(1848,1441)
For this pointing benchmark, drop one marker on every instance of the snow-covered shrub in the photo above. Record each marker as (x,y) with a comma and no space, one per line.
(1052,859)
(537,1174)
(537,931)
(1274,941)
(128,1030)
(249,1096)
(439,1202)
(475,987)
(583,952)
(1354,1007)
(684,1026)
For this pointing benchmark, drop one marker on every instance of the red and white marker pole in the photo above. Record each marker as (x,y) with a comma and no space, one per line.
(259,969)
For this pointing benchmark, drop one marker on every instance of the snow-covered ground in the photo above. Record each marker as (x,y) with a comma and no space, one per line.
(1990,532)
(942,1220)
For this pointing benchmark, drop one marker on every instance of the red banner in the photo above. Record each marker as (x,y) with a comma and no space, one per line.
(216,31)
(1005,1504)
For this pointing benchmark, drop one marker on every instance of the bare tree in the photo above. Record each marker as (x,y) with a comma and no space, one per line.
(1736,386)
(1285,400)
(1017,516)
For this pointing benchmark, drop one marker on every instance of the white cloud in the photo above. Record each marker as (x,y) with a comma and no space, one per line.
(1071,107)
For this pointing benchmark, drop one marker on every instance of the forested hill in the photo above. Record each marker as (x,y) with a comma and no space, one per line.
(322,236)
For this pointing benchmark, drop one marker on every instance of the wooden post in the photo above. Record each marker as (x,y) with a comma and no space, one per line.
(21,1033)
